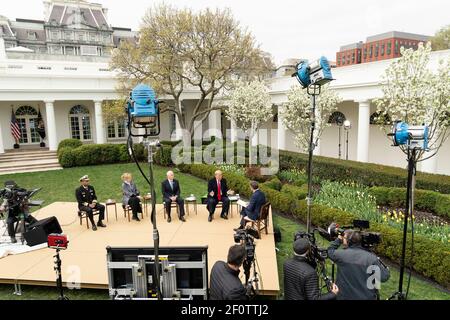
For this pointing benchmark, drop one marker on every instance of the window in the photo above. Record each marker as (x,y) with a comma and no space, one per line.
(89,51)
(359,57)
(92,37)
(55,50)
(396,48)
(68,35)
(55,35)
(389,48)
(365,53)
(116,129)
(353,57)
(382,49)
(377,48)
(80,36)
(80,123)
(70,51)
(337,118)
(27,118)
(371,51)
(32,35)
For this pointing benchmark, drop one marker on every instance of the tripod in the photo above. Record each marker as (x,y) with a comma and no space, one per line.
(251,290)
(59,284)
(400,295)
(313,91)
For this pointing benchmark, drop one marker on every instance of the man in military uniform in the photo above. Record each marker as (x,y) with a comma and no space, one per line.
(87,202)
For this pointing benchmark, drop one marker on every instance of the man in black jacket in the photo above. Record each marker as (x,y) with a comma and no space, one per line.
(87,202)
(300,278)
(252,210)
(225,283)
(359,271)
(171,193)
(217,191)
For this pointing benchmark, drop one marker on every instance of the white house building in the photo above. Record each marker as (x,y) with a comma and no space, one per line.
(62,71)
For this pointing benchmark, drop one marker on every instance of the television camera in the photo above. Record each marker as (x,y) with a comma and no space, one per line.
(368,239)
(247,237)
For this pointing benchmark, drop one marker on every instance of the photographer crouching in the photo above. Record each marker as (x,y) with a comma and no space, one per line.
(225,283)
(301,281)
(359,271)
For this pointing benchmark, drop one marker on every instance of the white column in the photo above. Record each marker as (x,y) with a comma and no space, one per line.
(51,125)
(255,139)
(429,165)
(2,148)
(363,131)
(281,138)
(233,132)
(99,124)
(215,123)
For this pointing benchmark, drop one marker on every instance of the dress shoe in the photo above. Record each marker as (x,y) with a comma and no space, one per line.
(94,227)
(101,224)
(136,218)
(182,219)
(210,218)
(224,217)
(239,228)
(13,240)
(169,219)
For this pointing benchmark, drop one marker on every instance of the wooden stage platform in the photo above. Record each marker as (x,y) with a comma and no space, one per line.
(85,260)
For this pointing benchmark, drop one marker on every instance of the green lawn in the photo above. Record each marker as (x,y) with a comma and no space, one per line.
(419,289)
(60,186)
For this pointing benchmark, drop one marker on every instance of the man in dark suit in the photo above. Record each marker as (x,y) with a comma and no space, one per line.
(171,193)
(217,191)
(87,202)
(257,200)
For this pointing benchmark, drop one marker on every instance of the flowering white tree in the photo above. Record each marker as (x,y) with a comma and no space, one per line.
(297,117)
(250,105)
(414,94)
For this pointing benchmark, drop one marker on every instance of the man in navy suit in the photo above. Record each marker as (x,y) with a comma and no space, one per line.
(257,200)
(171,193)
(217,191)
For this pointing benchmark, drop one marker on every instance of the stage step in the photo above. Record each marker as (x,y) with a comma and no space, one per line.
(28,161)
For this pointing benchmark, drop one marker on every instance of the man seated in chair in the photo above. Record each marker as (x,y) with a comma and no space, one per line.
(218,191)
(87,202)
(251,212)
(171,193)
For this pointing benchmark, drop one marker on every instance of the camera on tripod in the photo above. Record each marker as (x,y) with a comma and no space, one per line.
(368,239)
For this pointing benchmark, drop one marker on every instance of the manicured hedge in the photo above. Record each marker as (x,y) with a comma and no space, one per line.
(93,154)
(431,258)
(69,143)
(423,199)
(364,173)
(298,193)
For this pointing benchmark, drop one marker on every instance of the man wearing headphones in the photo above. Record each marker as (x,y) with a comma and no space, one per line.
(359,271)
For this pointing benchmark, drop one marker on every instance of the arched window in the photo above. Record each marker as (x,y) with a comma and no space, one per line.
(380,119)
(80,123)
(337,117)
(27,118)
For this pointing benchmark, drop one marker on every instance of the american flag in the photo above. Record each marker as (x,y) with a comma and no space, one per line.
(15,129)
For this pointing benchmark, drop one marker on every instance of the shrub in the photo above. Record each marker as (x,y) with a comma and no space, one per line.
(362,173)
(94,154)
(69,143)
(298,193)
(163,156)
(254,173)
(274,183)
(293,176)
(423,199)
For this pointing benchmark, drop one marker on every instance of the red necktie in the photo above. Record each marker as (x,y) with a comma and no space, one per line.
(219,193)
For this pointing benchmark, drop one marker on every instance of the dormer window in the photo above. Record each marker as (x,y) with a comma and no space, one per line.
(32,35)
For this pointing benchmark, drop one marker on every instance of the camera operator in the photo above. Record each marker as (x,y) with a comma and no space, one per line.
(301,281)
(355,265)
(225,283)
(13,203)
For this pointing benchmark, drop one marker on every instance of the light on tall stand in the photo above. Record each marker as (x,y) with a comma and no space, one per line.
(340,123)
(347,127)
(312,76)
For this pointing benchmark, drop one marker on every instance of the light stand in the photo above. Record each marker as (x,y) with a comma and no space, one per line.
(340,122)
(313,91)
(409,210)
(347,127)
(59,284)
